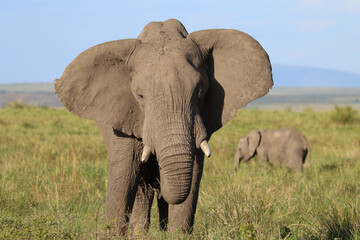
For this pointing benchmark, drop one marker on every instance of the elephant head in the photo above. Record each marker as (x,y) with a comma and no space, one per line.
(168,88)
(246,148)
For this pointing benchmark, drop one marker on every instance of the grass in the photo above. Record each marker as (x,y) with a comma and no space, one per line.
(53,177)
(344,115)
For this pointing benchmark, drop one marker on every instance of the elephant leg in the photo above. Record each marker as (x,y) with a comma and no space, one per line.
(295,160)
(140,216)
(124,154)
(262,156)
(298,164)
(181,216)
(163,207)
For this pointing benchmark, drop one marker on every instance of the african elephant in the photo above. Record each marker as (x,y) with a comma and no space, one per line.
(157,100)
(286,147)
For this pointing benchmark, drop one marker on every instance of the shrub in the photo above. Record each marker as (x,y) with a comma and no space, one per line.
(16,104)
(344,115)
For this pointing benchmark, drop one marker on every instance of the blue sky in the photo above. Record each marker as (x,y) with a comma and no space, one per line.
(39,38)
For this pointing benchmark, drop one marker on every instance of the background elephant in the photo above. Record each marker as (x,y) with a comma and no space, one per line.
(157,99)
(285,147)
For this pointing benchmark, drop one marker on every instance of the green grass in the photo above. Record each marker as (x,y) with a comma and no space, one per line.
(53,177)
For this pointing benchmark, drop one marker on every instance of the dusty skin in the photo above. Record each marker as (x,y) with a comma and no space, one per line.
(157,100)
(286,147)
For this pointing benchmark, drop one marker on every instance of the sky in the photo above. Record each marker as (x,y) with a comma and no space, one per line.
(39,38)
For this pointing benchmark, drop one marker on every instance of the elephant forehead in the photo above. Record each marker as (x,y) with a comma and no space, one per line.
(167,71)
(186,49)
(242,141)
(177,52)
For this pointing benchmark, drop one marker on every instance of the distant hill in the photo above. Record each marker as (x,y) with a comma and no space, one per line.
(35,94)
(28,87)
(298,98)
(293,76)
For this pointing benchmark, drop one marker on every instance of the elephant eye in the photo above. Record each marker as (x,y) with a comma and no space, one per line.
(140,96)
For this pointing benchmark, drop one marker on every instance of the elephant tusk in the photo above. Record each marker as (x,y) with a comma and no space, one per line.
(205,148)
(146,154)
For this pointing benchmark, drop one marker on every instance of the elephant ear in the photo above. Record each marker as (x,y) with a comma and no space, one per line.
(239,70)
(253,142)
(96,85)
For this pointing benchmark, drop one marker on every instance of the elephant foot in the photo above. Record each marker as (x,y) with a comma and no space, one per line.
(117,228)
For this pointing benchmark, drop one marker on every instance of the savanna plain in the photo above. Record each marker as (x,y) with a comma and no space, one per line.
(53,179)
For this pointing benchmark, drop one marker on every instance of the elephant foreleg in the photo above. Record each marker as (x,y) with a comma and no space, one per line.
(181,216)
(262,156)
(124,154)
(140,216)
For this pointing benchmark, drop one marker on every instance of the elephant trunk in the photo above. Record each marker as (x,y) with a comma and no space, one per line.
(176,152)
(175,176)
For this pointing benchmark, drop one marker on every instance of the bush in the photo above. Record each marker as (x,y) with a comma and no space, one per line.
(344,115)
(16,104)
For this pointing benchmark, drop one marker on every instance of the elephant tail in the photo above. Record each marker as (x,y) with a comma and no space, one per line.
(308,152)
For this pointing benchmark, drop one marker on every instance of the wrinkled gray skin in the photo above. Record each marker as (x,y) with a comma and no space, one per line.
(166,91)
(285,147)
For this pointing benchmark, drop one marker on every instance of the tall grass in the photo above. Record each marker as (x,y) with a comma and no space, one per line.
(53,178)
(344,115)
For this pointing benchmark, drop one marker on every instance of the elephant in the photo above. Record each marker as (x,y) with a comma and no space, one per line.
(286,147)
(157,100)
